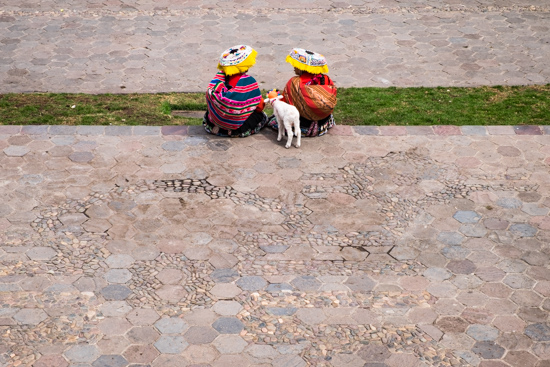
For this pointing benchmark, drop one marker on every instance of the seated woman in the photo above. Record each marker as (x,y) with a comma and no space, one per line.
(235,103)
(311,91)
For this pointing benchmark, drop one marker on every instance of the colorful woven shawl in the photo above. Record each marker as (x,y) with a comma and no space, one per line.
(229,108)
(313,101)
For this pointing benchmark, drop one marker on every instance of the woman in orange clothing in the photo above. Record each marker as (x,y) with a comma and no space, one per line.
(311,91)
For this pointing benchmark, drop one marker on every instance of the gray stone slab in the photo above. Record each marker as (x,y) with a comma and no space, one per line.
(251,283)
(16,151)
(171,344)
(171,325)
(35,129)
(147,130)
(90,130)
(115,292)
(118,130)
(62,130)
(228,325)
(474,130)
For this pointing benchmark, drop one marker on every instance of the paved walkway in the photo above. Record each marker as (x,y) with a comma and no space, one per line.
(368,247)
(162,46)
(371,246)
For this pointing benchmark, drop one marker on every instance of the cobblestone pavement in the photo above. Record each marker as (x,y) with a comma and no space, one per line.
(161,46)
(368,247)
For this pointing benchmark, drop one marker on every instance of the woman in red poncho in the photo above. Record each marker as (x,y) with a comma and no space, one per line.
(311,91)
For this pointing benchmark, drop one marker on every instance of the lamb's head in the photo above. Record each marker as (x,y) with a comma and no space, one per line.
(272,96)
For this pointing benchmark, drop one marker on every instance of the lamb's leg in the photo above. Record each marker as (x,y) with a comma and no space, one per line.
(290,134)
(281,128)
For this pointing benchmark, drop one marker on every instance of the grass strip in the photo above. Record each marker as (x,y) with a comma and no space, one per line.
(498,105)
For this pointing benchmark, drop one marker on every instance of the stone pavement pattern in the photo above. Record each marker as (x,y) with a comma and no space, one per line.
(163,46)
(370,246)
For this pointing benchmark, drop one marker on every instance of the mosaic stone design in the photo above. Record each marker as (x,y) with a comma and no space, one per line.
(399,257)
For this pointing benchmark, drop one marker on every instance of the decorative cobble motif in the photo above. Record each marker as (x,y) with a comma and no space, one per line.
(320,342)
(302,286)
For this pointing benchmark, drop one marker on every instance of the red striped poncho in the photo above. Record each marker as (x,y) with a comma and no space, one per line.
(229,108)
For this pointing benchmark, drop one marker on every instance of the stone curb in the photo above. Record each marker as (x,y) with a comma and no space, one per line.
(339,130)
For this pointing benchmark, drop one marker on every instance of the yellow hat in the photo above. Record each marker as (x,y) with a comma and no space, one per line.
(237,59)
(309,61)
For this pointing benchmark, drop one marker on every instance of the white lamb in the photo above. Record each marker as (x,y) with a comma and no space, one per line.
(287,118)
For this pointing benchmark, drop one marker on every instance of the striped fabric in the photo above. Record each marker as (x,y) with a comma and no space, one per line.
(314,102)
(229,108)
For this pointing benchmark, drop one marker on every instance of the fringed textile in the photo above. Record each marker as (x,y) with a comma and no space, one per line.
(229,108)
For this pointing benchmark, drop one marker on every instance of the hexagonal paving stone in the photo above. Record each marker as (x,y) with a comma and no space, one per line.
(30,316)
(461,266)
(520,358)
(171,325)
(229,344)
(463,281)
(523,230)
(142,316)
(311,316)
(509,203)
(172,293)
(450,238)
(535,209)
(170,276)
(222,260)
(456,252)
(171,344)
(97,225)
(488,350)
(437,274)
(306,283)
(200,335)
(81,157)
(119,261)
(82,353)
(473,230)
(482,332)
(201,317)
(119,276)
(142,335)
(538,332)
(281,311)
(467,216)
(225,291)
(289,360)
(114,326)
(115,308)
(509,323)
(224,275)
(139,353)
(110,361)
(496,223)
(228,325)
(41,253)
(518,281)
(360,283)
(227,308)
(116,292)
(201,355)
(374,353)
(279,288)
(31,179)
(16,151)
(403,253)
(51,360)
(251,283)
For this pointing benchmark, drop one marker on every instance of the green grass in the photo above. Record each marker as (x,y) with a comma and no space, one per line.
(521,105)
